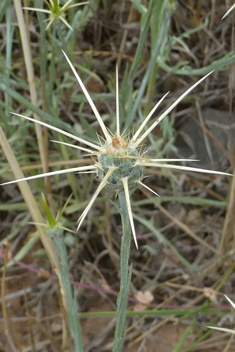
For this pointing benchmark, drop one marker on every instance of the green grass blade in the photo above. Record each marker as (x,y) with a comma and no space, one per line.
(74,325)
(166,11)
(204,202)
(24,250)
(217,65)
(189,329)
(126,90)
(44,115)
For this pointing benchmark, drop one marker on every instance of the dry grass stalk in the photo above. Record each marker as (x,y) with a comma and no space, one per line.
(37,219)
(31,77)
(228,233)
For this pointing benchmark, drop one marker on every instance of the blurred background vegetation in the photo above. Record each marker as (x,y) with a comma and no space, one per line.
(185,261)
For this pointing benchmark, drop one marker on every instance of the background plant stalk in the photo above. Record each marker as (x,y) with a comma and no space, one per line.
(38,220)
(31,78)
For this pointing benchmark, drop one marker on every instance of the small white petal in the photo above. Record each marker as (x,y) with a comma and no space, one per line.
(92,105)
(128,203)
(59,172)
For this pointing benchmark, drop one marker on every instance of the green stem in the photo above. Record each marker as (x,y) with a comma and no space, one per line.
(125,275)
(67,293)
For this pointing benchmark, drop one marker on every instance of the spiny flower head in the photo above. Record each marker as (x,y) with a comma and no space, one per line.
(121,159)
(53,222)
(56,11)
(119,164)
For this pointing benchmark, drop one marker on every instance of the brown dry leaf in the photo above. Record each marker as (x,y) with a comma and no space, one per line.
(210,293)
(105,286)
(194,216)
(3,253)
(56,327)
(7,244)
(139,307)
(44,274)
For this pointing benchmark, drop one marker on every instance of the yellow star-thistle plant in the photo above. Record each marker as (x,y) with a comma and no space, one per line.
(120,165)
(56,11)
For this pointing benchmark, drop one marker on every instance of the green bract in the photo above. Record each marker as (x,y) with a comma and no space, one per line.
(126,167)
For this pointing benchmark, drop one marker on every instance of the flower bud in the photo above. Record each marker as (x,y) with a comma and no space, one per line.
(119,155)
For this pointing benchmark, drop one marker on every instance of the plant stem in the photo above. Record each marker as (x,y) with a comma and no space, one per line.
(125,275)
(72,307)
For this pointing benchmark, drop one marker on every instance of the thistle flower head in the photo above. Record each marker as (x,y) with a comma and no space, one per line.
(119,164)
(121,155)
(55,10)
(53,222)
